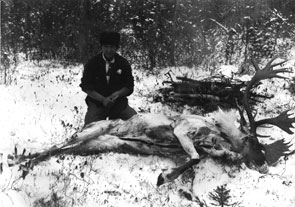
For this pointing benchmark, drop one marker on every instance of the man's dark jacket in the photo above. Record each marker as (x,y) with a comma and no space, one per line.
(94,78)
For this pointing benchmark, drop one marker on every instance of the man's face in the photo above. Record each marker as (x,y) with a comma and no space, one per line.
(109,51)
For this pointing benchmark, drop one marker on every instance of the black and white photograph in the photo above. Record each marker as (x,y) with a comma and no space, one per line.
(147,103)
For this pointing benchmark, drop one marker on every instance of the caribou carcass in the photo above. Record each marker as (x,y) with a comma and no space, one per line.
(176,136)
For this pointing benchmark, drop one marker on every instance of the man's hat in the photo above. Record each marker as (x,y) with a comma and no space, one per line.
(110,38)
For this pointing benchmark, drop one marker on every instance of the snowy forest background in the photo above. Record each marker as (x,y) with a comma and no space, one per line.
(154,33)
(44,44)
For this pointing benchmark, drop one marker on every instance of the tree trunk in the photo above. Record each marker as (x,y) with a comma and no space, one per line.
(152,58)
(172,50)
(84,30)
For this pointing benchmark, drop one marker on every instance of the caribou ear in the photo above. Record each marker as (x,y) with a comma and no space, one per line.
(275,150)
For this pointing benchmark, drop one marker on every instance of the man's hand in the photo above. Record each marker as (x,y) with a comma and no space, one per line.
(110,100)
(114,96)
(107,102)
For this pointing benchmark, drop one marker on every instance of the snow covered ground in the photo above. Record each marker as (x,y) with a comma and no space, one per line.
(45,105)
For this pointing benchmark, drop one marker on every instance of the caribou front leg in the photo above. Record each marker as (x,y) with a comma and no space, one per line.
(181,131)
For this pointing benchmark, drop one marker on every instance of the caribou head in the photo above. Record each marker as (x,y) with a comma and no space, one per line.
(254,152)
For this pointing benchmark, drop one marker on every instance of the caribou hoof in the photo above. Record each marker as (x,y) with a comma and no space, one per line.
(161,180)
(165,177)
(172,174)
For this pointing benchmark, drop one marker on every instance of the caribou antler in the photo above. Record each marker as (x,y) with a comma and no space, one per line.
(275,150)
(283,121)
